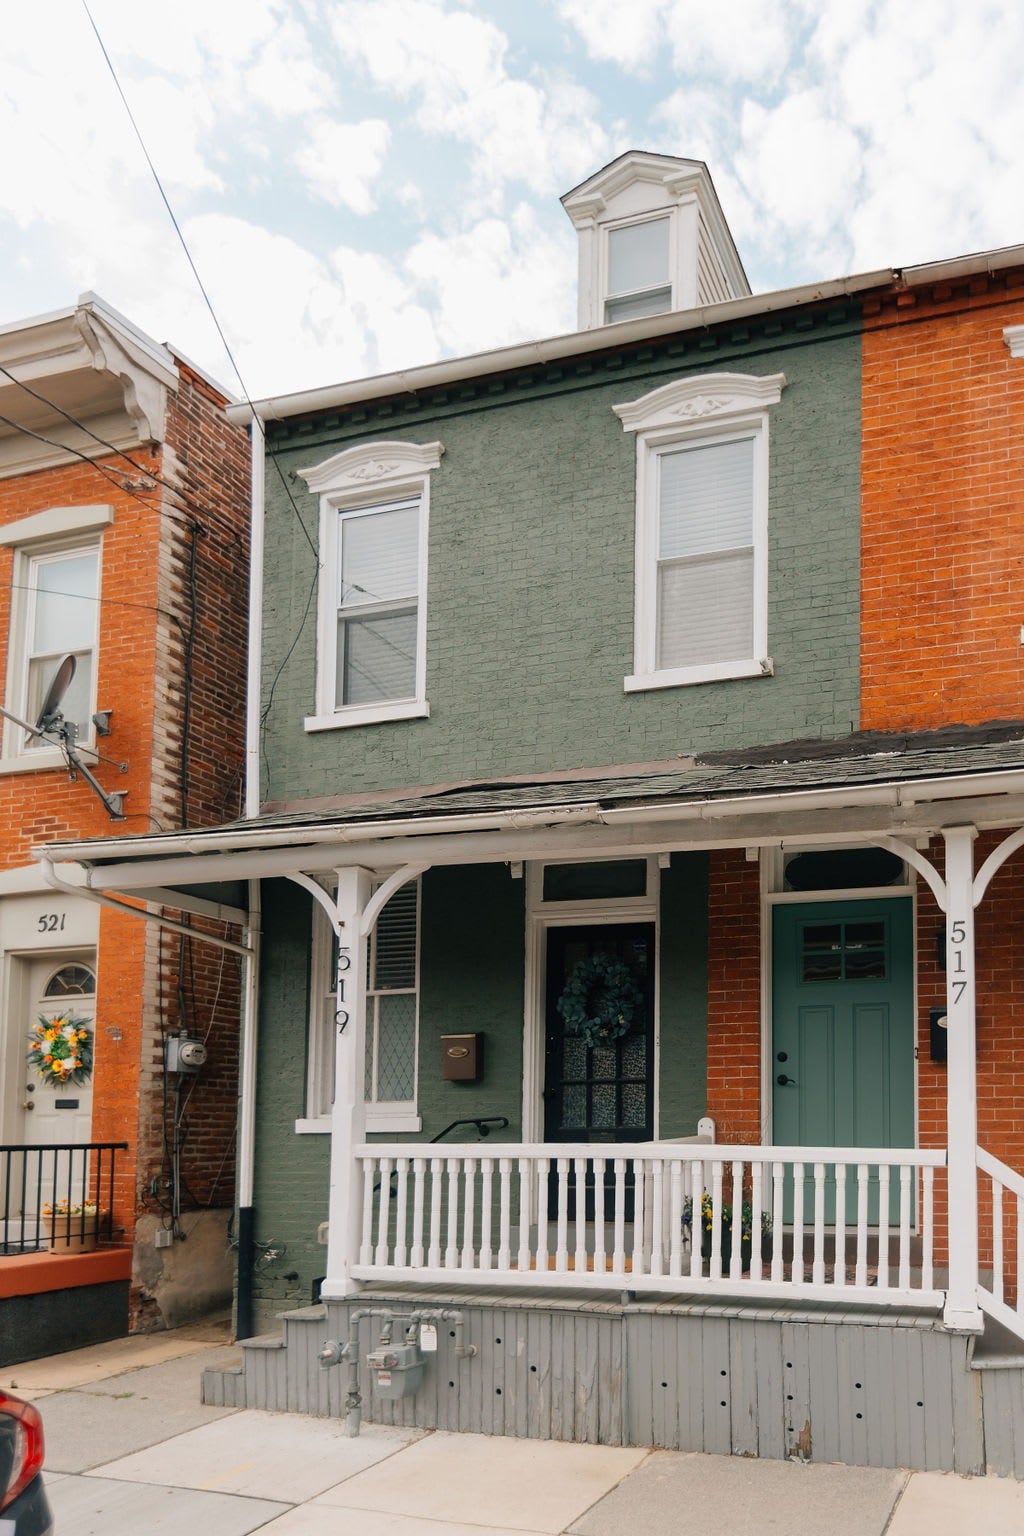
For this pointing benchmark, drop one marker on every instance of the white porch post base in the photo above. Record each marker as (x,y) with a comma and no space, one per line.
(348,1117)
(962,1311)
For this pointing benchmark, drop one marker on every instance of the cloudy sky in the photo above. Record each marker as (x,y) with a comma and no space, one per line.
(370,184)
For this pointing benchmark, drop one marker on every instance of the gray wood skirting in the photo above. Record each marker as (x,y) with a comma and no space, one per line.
(865,1388)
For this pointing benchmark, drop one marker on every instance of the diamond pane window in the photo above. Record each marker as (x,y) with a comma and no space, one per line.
(392,1004)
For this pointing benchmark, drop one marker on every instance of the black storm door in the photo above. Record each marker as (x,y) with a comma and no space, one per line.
(602,1092)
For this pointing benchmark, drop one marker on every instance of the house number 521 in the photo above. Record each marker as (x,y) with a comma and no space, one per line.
(958,935)
(51,922)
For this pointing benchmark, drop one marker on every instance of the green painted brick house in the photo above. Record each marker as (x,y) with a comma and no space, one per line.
(578,901)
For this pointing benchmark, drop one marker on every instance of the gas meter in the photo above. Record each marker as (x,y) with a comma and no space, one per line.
(396,1369)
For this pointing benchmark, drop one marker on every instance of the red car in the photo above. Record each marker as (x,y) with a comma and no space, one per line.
(24,1508)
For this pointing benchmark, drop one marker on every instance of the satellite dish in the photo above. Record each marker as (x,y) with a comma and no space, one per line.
(55,693)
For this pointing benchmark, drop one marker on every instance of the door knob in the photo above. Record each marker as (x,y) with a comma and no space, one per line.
(28,1104)
(784,1081)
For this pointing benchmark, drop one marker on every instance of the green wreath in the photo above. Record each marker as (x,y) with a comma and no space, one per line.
(600,1000)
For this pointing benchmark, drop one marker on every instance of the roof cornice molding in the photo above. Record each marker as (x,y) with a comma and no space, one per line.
(89,364)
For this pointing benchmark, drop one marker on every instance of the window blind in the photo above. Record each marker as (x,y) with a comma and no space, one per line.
(705,554)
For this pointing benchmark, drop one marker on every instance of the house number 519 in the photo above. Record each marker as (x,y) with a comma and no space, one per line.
(51,922)
(958,935)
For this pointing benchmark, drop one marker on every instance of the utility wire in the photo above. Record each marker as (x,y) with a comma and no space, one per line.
(150,474)
(195,271)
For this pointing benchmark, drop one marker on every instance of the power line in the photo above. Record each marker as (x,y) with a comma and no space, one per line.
(195,270)
(151,474)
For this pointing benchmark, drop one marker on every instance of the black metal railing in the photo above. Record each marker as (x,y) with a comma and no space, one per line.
(57,1197)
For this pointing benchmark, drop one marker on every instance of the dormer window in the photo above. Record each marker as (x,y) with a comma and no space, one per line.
(639,272)
(652,239)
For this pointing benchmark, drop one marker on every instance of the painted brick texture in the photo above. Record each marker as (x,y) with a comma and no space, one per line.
(530,584)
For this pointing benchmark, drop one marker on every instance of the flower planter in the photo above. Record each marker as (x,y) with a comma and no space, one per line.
(746,1249)
(79,1237)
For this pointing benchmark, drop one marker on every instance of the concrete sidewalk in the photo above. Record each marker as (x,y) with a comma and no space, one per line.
(130,1449)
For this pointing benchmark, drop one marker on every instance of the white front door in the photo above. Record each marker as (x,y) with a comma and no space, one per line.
(56,1113)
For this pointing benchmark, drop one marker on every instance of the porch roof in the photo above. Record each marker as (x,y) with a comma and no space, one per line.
(864,782)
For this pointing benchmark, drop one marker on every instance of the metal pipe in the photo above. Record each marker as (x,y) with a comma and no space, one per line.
(52,878)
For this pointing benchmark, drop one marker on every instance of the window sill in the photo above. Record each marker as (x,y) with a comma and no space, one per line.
(682,677)
(377,1121)
(369,714)
(44,761)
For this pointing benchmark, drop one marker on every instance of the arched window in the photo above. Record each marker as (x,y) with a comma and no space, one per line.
(71,981)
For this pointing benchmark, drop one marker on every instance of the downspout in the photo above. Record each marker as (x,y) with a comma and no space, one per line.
(250,995)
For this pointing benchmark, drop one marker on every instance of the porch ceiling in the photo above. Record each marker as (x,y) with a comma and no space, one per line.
(850,790)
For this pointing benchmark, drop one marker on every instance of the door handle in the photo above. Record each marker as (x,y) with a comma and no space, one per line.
(784,1081)
(28,1104)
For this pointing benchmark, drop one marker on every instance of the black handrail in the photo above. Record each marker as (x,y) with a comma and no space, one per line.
(483,1125)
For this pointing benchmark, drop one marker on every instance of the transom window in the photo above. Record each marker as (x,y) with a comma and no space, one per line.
(71,981)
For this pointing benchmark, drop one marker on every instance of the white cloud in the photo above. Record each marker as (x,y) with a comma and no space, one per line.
(342,161)
(497,282)
(544,131)
(748,40)
(626,34)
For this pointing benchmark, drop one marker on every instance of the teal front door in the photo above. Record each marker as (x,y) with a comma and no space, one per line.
(843,1027)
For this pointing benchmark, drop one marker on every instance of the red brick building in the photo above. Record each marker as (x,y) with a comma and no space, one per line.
(124,542)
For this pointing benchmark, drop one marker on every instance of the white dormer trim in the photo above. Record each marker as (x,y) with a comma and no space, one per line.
(704,264)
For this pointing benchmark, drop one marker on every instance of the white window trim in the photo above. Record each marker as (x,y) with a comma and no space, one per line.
(386,1116)
(700,409)
(671,277)
(354,479)
(80,529)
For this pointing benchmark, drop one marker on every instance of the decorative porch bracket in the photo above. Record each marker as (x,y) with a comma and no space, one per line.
(352,916)
(957,896)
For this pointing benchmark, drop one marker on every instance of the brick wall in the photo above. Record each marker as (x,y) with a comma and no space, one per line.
(942,535)
(171,666)
(734,997)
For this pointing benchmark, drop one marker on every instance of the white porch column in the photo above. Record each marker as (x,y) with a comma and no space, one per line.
(348,1118)
(962,1310)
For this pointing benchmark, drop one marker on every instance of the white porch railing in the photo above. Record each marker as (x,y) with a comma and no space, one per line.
(839,1224)
(1005,1190)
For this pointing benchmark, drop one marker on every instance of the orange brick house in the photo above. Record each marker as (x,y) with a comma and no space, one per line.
(123,542)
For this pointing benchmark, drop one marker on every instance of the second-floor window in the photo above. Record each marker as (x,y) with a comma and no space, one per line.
(378,603)
(54,614)
(374,517)
(701,610)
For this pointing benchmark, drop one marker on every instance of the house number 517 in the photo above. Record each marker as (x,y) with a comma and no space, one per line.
(958,936)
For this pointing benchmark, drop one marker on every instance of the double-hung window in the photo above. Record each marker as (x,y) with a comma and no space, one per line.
(701,595)
(374,517)
(639,270)
(392,1018)
(54,613)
